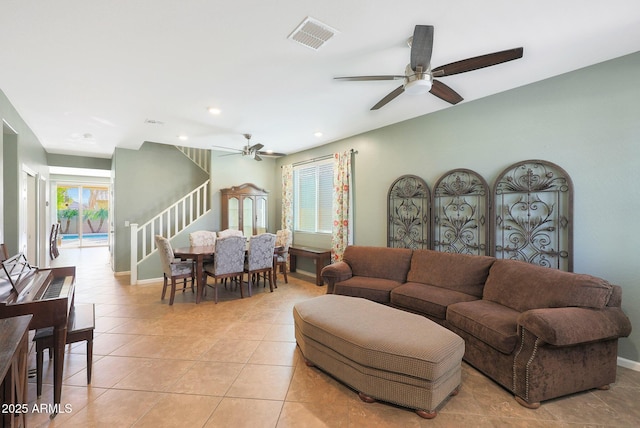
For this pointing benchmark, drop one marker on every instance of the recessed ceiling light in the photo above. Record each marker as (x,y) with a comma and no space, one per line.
(214,111)
(183,137)
(318,134)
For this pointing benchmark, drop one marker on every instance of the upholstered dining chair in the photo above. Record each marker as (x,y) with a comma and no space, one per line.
(229,232)
(203,238)
(173,268)
(228,262)
(284,238)
(260,258)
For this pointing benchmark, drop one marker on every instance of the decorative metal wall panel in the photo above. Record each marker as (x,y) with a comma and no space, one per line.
(461,213)
(408,213)
(534,214)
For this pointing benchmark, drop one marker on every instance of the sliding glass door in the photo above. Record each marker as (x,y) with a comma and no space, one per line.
(83,214)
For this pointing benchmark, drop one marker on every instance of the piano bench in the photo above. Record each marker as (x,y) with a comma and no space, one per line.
(80,328)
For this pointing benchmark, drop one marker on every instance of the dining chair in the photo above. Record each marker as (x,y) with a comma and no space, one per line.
(4,253)
(284,238)
(228,262)
(203,238)
(229,232)
(173,268)
(260,258)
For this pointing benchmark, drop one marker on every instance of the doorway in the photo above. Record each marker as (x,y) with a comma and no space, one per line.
(83,214)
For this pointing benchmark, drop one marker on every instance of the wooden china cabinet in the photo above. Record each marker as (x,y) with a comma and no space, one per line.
(244,208)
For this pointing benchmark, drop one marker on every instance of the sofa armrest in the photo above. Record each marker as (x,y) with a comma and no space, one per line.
(335,272)
(571,326)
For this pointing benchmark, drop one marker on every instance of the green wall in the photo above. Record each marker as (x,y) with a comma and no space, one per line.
(228,171)
(152,178)
(587,122)
(20,150)
(147,181)
(78,161)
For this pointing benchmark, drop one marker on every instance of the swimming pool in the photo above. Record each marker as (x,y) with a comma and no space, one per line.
(88,240)
(99,236)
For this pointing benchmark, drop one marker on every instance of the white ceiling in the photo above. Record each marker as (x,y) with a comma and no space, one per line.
(86,74)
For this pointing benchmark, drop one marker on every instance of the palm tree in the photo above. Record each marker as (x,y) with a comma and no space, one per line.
(67,214)
(100,214)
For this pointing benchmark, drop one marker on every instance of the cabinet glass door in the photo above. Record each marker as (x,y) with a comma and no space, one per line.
(261,214)
(247,216)
(234,217)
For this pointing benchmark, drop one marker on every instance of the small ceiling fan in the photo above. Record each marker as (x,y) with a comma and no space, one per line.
(251,150)
(419,76)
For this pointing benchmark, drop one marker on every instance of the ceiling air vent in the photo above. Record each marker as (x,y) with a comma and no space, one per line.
(312,33)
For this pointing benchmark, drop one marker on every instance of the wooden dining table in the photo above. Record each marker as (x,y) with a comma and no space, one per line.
(198,254)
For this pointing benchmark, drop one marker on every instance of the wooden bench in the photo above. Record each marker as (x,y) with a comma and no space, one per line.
(322,257)
(80,328)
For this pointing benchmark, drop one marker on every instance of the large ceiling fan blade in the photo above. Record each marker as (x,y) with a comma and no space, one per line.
(255,147)
(366,78)
(477,62)
(444,92)
(421,46)
(389,97)
(228,149)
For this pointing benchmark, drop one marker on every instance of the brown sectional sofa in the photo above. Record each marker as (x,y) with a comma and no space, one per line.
(539,332)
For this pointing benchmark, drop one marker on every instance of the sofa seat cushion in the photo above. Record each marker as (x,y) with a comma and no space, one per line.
(426,299)
(523,286)
(375,289)
(459,272)
(378,262)
(490,322)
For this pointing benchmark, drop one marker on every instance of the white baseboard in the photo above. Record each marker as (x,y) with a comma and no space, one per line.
(149,281)
(140,281)
(629,364)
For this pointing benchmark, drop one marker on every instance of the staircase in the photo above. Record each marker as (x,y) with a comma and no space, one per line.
(175,218)
(201,157)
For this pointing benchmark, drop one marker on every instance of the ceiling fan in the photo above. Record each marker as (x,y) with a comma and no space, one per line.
(252,150)
(419,76)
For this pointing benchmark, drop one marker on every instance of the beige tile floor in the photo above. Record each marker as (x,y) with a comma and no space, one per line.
(235,364)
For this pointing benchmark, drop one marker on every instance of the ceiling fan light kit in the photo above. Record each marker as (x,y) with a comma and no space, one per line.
(418,83)
(419,77)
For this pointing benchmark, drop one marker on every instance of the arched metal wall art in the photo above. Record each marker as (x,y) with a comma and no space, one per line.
(408,213)
(534,214)
(461,213)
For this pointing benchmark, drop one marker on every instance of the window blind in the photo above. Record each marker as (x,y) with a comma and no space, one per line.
(313,197)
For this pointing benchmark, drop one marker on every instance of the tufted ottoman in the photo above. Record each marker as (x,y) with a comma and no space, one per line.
(384,353)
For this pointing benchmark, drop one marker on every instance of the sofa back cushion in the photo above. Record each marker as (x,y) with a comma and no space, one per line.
(459,272)
(523,286)
(378,262)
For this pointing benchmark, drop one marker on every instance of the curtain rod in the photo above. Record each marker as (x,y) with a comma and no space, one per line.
(319,158)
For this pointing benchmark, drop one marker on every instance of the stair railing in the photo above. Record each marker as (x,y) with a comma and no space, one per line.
(201,157)
(168,223)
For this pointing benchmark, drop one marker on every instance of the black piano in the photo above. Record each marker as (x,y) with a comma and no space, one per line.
(45,293)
